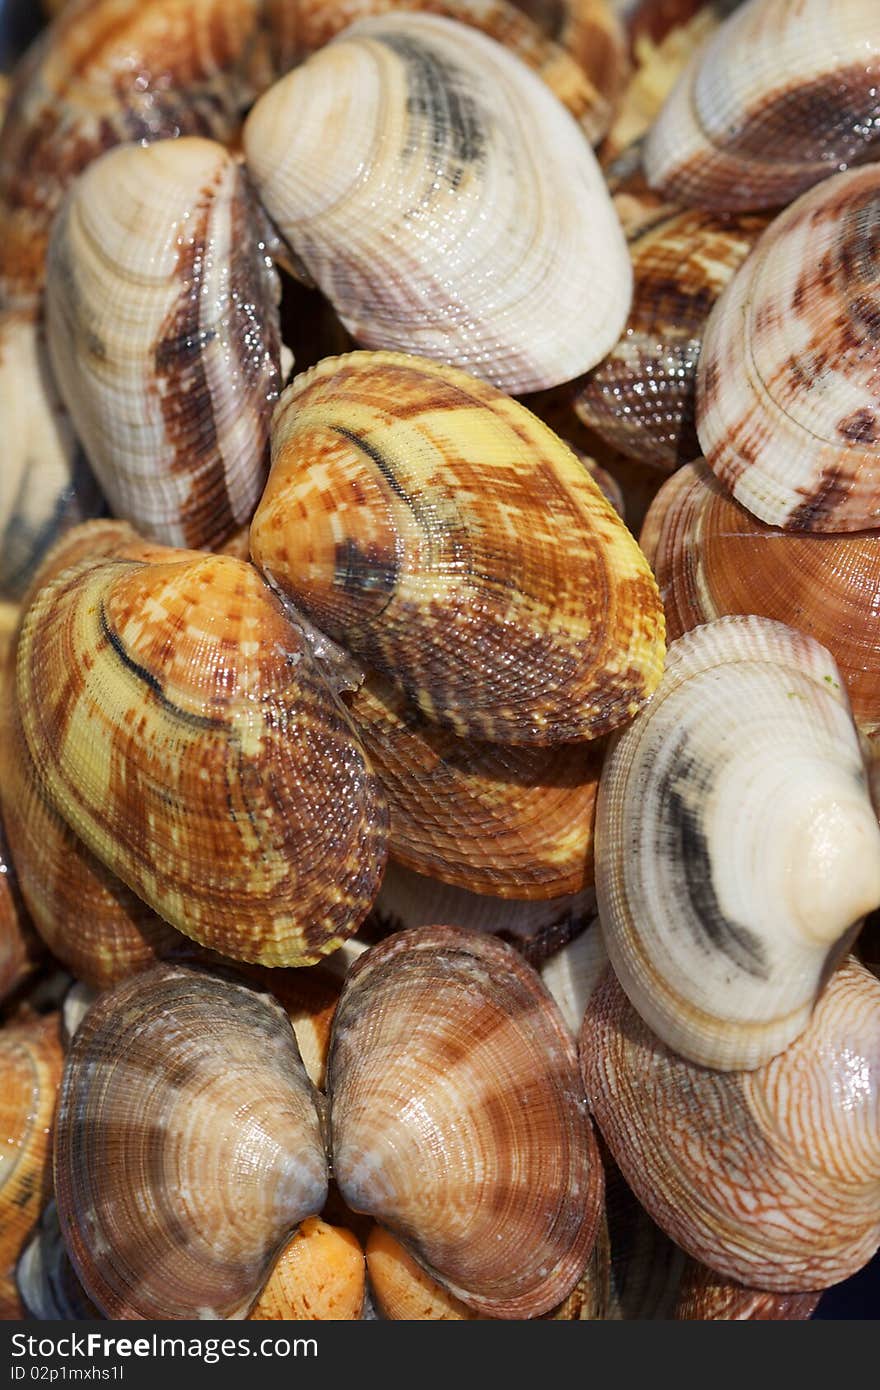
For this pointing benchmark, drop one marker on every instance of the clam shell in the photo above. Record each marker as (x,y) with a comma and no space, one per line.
(784,94)
(712,557)
(736,845)
(458,1122)
(188,1147)
(462,215)
(640,399)
(706,1297)
(30,1070)
(787,403)
(20,949)
(507,822)
(452,542)
(164,335)
(770,1177)
(182,731)
(403,1292)
(319,1276)
(45,484)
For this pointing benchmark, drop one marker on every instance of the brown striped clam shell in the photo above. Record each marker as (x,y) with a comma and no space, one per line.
(788,406)
(737,848)
(20,949)
(783,95)
(640,399)
(771,1177)
(30,1070)
(182,730)
(452,542)
(164,335)
(449,157)
(488,1173)
(507,822)
(712,557)
(195,1084)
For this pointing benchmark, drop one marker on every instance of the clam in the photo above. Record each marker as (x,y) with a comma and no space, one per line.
(737,849)
(46,1279)
(770,1177)
(787,405)
(188,1146)
(784,94)
(30,1069)
(456,1121)
(454,544)
(508,822)
(640,399)
(163,329)
(712,557)
(182,730)
(45,484)
(319,1275)
(462,215)
(705,1296)
(189,1143)
(19,947)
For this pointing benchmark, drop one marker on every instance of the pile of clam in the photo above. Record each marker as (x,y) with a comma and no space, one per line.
(390,924)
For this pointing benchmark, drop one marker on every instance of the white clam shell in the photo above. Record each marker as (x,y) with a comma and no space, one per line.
(444,201)
(784,94)
(737,847)
(163,332)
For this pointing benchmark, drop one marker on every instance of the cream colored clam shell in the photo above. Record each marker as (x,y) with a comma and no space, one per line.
(444,201)
(783,95)
(736,842)
(44,484)
(163,333)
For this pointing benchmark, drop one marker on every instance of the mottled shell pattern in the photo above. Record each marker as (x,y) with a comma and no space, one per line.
(511,822)
(712,557)
(163,331)
(185,1102)
(30,1069)
(771,1177)
(785,93)
(488,1173)
(20,949)
(462,217)
(320,1275)
(737,847)
(198,752)
(788,404)
(640,399)
(194,1084)
(452,542)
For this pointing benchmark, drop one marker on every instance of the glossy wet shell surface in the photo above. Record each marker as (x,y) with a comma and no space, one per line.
(487,1171)
(184,734)
(737,847)
(450,540)
(188,1147)
(712,557)
(164,337)
(446,205)
(788,406)
(785,94)
(770,1177)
